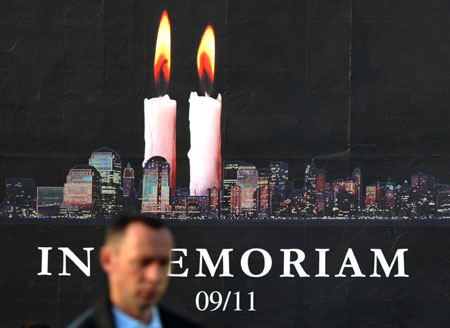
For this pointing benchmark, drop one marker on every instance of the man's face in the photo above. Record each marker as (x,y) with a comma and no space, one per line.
(138,266)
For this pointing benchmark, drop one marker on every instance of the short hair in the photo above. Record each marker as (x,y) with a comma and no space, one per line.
(119,224)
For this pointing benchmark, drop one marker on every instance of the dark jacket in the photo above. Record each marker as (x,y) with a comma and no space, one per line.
(101,316)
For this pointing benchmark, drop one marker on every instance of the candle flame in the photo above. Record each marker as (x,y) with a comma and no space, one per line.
(206,56)
(162,52)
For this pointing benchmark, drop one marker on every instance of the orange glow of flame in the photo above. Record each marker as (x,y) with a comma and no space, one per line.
(162,52)
(206,55)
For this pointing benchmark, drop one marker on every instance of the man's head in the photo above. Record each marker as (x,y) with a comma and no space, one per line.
(135,257)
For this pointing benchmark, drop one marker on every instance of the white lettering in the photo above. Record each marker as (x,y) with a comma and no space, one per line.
(399,256)
(350,257)
(287,262)
(224,256)
(44,261)
(179,262)
(267,262)
(67,253)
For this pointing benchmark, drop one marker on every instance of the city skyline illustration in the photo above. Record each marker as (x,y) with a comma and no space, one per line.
(103,187)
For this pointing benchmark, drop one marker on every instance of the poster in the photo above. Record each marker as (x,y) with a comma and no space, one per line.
(334,123)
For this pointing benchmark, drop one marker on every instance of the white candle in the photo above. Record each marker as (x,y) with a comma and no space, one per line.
(160,132)
(205,155)
(160,114)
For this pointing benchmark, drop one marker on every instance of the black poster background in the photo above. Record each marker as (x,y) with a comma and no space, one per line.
(349,83)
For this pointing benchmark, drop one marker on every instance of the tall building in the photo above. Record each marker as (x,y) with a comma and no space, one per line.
(156,186)
(49,200)
(214,201)
(229,175)
(371,197)
(357,178)
(82,192)
(443,201)
(423,197)
(263,197)
(235,201)
(108,164)
(20,198)
(321,180)
(311,176)
(403,209)
(247,180)
(128,182)
(278,185)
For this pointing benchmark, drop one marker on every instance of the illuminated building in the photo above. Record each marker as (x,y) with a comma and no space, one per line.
(277,186)
(108,164)
(229,175)
(214,200)
(357,178)
(443,201)
(414,180)
(82,192)
(423,198)
(247,180)
(426,182)
(130,200)
(403,207)
(128,182)
(311,176)
(350,187)
(321,180)
(263,202)
(279,177)
(20,198)
(235,201)
(196,206)
(371,197)
(156,186)
(49,200)
(388,204)
(185,206)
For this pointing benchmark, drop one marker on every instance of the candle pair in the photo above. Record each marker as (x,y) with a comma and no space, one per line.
(205,157)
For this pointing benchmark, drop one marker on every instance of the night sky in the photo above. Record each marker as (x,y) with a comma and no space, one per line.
(362,83)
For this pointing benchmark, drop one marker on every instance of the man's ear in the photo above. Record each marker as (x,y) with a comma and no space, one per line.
(105,258)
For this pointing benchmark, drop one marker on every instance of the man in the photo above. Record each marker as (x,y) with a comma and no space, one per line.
(135,257)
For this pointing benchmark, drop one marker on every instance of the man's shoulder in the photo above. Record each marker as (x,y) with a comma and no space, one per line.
(97,316)
(171,319)
(100,316)
(85,320)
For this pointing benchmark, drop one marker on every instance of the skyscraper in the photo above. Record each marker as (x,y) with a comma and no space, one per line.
(214,201)
(82,192)
(357,178)
(235,201)
(278,184)
(371,197)
(229,175)
(263,197)
(443,201)
(311,176)
(128,182)
(247,180)
(108,164)
(156,186)
(321,180)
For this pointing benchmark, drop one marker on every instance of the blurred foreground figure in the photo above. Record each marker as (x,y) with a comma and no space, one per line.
(135,257)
